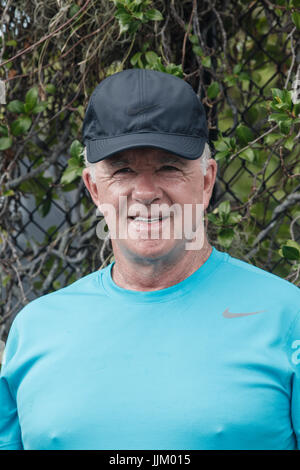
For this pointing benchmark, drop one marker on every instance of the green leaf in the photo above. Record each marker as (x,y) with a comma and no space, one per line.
(237,68)
(151,57)
(5,143)
(277,93)
(198,50)
(225,237)
(50,88)
(280,105)
(31,98)
(12,42)
(221,155)
(46,206)
(9,192)
(70,174)
(278,117)
(221,145)
(244,134)
(224,208)
(281,99)
(40,107)
(73,10)
(36,186)
(3,130)
(244,76)
(154,15)
(16,106)
(248,155)
(135,58)
(76,150)
(290,142)
(174,69)
(271,138)
(213,218)
(296,19)
(206,61)
(194,39)
(139,15)
(75,163)
(285,126)
(69,187)
(123,17)
(6,280)
(290,252)
(230,79)
(234,218)
(213,90)
(145,46)
(21,125)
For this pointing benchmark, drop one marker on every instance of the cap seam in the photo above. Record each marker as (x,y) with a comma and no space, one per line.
(148,132)
(142,100)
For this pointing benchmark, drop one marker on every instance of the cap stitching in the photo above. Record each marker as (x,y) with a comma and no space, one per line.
(150,132)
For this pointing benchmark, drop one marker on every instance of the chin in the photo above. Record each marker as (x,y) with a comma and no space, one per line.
(151,249)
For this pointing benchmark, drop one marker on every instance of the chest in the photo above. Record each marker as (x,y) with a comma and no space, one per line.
(157,386)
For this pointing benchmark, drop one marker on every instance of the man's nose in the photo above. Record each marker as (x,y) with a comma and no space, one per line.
(145,189)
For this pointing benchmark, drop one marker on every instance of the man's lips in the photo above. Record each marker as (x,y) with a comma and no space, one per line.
(147,219)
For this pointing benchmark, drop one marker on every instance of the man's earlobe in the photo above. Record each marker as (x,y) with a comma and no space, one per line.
(209,180)
(86,178)
(90,185)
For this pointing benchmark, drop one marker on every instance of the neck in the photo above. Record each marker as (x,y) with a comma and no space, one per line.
(158,274)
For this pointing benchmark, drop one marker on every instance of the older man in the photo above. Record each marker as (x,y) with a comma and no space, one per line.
(174,345)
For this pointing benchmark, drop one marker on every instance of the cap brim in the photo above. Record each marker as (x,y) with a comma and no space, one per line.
(183,146)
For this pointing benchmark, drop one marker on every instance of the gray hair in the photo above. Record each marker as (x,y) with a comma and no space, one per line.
(206,155)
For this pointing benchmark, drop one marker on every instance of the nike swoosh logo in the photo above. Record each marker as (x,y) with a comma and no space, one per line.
(228,314)
(134,111)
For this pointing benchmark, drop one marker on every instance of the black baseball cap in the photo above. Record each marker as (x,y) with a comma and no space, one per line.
(144,108)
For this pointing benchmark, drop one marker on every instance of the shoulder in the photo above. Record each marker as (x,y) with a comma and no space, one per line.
(256,289)
(74,296)
(53,315)
(261,279)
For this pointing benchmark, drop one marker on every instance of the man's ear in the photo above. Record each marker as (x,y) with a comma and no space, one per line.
(209,181)
(90,185)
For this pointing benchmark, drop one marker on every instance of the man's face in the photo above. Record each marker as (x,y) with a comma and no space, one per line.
(152,200)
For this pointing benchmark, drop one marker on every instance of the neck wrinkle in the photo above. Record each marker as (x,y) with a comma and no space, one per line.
(133,276)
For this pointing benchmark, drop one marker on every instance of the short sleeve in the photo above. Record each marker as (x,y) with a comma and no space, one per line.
(293,349)
(10,432)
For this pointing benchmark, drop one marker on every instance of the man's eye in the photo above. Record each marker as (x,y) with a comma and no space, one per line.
(168,168)
(123,171)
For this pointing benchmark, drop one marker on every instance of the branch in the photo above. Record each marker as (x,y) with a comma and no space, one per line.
(50,35)
(253,142)
(293,58)
(14,183)
(289,201)
(187,33)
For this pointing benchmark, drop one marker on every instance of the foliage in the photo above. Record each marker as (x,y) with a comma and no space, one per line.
(241,59)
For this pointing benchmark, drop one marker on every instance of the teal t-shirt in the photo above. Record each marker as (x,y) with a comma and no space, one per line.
(212,362)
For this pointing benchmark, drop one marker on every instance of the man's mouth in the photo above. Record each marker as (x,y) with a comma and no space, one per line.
(148,220)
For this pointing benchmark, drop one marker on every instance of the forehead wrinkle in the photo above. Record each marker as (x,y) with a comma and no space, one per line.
(115,161)
(120,162)
(168,158)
